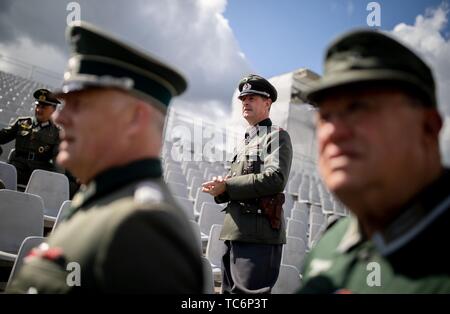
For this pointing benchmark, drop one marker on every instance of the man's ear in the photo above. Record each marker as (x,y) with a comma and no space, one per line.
(432,122)
(139,118)
(269,103)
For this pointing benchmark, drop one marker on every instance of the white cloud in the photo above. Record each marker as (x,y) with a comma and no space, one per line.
(24,50)
(192,35)
(426,38)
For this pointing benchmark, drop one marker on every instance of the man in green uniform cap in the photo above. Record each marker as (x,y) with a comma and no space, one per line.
(37,138)
(124,234)
(254,228)
(377,131)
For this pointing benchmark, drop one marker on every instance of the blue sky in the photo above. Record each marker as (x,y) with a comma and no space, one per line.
(281,36)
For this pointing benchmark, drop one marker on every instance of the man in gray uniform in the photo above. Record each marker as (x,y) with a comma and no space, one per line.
(254,228)
(124,234)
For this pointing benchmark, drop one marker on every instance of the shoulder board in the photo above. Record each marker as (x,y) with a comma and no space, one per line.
(23,120)
(148,192)
(333,220)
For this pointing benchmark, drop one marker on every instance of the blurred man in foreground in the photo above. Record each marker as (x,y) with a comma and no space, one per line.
(124,234)
(377,131)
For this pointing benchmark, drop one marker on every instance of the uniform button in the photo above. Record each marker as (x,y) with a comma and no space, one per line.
(234,174)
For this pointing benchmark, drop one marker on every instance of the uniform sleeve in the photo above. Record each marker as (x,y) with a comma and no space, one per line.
(9,133)
(277,157)
(224,197)
(151,252)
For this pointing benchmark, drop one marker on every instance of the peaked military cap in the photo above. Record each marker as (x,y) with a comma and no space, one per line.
(45,97)
(365,56)
(255,84)
(100,60)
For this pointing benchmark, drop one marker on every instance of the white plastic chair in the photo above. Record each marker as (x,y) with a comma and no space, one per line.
(27,244)
(53,187)
(289,280)
(296,228)
(21,216)
(200,198)
(214,250)
(210,214)
(196,184)
(178,189)
(294,252)
(62,213)
(8,174)
(176,177)
(187,206)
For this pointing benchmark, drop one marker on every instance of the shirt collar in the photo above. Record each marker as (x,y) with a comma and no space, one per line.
(43,124)
(418,215)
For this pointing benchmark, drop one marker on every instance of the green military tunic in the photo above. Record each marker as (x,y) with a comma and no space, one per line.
(407,257)
(126,235)
(259,168)
(36,146)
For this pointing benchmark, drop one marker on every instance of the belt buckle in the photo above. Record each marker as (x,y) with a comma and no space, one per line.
(31,156)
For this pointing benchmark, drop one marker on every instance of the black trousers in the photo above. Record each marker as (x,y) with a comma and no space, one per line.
(250,268)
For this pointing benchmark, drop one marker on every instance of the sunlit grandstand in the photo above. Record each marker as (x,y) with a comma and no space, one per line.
(308,209)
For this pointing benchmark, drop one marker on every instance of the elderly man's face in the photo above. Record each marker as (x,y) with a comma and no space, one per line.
(91,125)
(369,139)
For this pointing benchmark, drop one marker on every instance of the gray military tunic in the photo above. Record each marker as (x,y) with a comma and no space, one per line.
(126,235)
(269,156)
(252,248)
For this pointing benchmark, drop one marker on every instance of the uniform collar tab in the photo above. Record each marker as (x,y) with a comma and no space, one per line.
(265,122)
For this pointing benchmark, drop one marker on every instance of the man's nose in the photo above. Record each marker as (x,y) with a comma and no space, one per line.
(334,129)
(59,117)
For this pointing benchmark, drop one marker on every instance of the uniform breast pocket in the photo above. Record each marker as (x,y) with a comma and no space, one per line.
(233,165)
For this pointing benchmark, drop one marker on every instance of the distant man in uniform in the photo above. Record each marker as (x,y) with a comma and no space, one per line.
(253,230)
(124,231)
(377,131)
(37,138)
